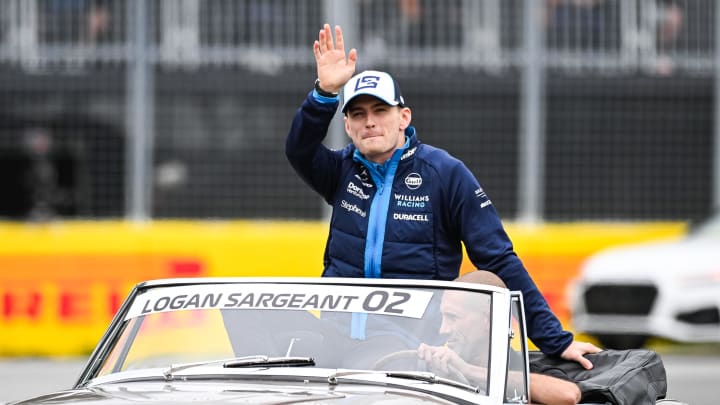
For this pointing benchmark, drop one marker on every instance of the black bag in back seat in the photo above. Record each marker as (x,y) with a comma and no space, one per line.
(619,377)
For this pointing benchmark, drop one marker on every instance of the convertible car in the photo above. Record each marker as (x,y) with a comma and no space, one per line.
(305,340)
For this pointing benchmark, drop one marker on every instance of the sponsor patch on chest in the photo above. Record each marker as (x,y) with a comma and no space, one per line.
(403,216)
(411,201)
(357,191)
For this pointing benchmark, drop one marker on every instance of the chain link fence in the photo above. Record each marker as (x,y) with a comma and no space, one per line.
(564,109)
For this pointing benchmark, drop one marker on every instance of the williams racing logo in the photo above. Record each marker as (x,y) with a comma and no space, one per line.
(411,201)
(413,181)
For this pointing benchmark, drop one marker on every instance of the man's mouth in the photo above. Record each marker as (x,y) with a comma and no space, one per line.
(368,136)
(451,343)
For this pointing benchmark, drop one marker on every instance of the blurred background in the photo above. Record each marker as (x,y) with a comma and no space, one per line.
(145,139)
(586,110)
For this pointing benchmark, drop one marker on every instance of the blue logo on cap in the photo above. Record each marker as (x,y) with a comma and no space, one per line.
(367,82)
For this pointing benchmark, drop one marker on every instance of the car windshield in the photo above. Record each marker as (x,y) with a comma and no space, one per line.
(333,326)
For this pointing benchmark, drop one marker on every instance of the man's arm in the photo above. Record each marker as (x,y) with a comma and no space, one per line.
(489,247)
(315,163)
(545,389)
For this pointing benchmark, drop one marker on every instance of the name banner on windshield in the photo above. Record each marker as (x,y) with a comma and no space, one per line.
(301,297)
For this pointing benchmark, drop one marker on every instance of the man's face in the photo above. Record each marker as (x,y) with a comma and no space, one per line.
(465,324)
(377,129)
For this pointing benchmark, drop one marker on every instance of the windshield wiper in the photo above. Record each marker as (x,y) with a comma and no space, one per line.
(409,375)
(265,361)
(246,361)
(431,378)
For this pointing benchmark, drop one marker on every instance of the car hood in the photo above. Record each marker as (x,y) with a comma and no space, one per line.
(687,258)
(232,392)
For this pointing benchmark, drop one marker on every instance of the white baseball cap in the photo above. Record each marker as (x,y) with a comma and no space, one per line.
(373,83)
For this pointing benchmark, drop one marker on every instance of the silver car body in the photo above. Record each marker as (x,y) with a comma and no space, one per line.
(297,340)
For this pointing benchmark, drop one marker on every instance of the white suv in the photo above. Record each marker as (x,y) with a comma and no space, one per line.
(625,295)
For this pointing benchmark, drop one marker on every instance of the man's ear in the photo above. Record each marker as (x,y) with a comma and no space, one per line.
(405,118)
(347,125)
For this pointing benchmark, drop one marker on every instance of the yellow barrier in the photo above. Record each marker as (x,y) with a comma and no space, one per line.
(60,283)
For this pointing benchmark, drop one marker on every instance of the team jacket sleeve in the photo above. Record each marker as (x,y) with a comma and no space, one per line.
(317,165)
(489,248)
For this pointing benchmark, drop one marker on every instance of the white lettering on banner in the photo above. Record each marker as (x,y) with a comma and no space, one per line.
(388,301)
(182,301)
(289,301)
(411,217)
(352,208)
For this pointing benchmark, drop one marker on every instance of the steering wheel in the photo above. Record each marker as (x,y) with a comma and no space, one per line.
(412,354)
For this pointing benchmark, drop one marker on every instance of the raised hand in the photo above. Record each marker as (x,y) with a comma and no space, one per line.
(334,69)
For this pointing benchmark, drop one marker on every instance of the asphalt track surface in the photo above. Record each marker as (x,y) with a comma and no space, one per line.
(691,378)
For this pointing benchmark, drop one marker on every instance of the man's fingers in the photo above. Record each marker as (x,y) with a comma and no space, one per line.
(322,40)
(339,38)
(586,348)
(316,50)
(587,365)
(352,58)
(576,350)
(329,36)
(422,350)
(445,362)
(327,39)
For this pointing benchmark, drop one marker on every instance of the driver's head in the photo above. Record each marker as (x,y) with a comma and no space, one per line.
(466,317)
(482,277)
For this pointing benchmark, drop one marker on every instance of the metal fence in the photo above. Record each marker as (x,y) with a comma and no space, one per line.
(606,36)
(590,109)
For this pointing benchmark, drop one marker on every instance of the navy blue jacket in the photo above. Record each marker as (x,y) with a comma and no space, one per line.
(410,217)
